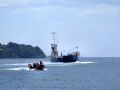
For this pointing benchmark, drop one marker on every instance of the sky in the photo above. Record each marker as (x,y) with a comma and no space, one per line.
(92,25)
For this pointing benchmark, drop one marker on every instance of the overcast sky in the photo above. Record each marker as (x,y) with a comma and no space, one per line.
(92,25)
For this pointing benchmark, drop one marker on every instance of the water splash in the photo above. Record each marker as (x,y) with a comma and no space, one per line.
(22,69)
(17,64)
(52,63)
(23,66)
(66,64)
(18,69)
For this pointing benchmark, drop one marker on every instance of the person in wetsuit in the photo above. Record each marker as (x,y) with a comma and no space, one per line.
(34,65)
(41,63)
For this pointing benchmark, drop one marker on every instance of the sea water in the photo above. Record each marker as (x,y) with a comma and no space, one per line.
(86,74)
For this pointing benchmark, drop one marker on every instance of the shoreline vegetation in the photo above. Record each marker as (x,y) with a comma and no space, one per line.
(14,50)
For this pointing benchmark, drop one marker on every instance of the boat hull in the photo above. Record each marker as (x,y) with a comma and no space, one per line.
(68,58)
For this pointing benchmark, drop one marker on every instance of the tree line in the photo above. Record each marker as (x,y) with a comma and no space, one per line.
(14,50)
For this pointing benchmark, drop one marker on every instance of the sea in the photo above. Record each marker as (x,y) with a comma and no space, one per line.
(89,73)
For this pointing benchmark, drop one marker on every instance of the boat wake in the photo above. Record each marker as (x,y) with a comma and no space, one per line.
(23,66)
(66,64)
(18,69)
(22,69)
(51,64)
(17,64)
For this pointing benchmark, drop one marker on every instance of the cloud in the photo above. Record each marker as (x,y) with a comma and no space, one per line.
(100,9)
(33,10)
(12,3)
(25,3)
(70,3)
(62,6)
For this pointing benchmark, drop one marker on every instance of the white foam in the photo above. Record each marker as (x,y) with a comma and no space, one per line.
(22,69)
(23,66)
(17,64)
(79,62)
(66,64)
(50,64)
(17,69)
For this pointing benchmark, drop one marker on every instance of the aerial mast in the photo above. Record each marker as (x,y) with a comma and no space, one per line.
(54,37)
(54,52)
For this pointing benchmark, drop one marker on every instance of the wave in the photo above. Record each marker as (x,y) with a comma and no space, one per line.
(17,64)
(23,66)
(18,69)
(79,62)
(52,63)
(66,64)
(22,69)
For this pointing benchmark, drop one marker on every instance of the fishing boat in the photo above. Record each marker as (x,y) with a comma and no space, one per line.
(70,57)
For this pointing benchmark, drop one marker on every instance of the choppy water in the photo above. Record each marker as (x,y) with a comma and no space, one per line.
(86,74)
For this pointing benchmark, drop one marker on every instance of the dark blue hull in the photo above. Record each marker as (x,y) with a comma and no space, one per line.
(67,58)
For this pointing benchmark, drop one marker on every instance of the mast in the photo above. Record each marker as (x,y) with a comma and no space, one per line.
(54,52)
(54,37)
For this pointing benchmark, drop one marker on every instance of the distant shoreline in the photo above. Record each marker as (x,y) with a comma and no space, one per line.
(14,50)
